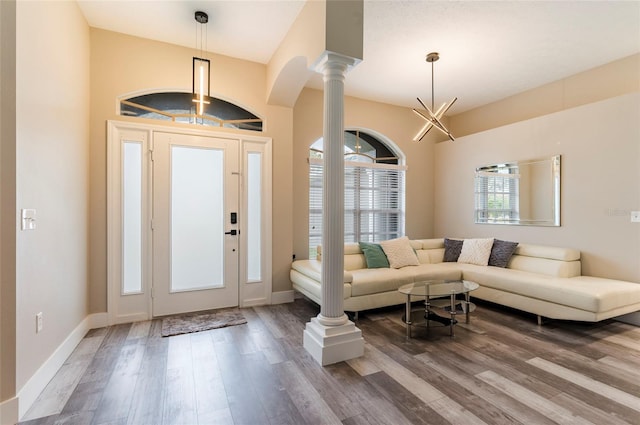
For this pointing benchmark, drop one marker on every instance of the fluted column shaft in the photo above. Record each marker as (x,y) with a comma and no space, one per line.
(332,308)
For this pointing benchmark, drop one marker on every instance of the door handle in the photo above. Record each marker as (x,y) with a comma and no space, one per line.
(232,232)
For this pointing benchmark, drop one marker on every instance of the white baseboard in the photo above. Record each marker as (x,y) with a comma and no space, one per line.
(254,302)
(98,320)
(32,389)
(282,297)
(129,318)
(9,412)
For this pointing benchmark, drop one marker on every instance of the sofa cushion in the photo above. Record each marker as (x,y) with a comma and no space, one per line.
(550,252)
(313,270)
(399,252)
(501,252)
(431,243)
(423,256)
(544,266)
(608,294)
(476,251)
(353,256)
(452,248)
(372,281)
(311,287)
(442,271)
(582,292)
(436,255)
(374,255)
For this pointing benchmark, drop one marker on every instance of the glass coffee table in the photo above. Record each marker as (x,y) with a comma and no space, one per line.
(441,303)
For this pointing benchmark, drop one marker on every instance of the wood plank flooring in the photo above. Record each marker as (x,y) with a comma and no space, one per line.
(500,369)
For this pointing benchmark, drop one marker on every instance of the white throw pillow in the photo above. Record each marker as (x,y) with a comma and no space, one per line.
(399,253)
(476,251)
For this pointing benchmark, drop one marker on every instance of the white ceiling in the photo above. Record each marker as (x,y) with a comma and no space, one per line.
(489,50)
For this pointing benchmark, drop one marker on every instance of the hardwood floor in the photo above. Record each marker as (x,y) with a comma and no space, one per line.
(500,369)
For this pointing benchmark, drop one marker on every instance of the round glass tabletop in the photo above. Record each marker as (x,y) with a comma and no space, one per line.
(438,288)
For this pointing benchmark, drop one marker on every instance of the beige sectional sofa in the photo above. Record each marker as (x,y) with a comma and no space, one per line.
(542,280)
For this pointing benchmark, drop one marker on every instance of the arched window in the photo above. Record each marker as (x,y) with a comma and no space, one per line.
(374,179)
(179,107)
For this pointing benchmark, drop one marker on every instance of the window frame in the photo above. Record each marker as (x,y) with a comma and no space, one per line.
(371,169)
(497,188)
(178,106)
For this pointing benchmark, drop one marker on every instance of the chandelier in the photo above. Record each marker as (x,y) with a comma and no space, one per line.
(433,117)
(201,72)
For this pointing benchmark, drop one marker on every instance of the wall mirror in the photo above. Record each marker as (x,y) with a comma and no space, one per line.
(521,193)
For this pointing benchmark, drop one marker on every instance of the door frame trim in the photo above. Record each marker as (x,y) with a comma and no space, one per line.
(254,293)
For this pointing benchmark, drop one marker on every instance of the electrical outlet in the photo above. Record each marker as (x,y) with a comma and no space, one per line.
(635,216)
(39,322)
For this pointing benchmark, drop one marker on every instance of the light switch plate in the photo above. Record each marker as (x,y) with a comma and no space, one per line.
(635,216)
(28,219)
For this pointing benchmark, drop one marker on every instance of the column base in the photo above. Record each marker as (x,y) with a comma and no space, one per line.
(333,344)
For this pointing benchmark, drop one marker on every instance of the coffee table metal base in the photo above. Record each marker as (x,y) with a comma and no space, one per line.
(441,304)
(443,314)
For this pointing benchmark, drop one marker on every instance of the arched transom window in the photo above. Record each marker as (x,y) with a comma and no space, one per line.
(373,190)
(179,107)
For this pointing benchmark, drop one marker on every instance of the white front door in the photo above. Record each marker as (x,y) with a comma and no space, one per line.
(195,223)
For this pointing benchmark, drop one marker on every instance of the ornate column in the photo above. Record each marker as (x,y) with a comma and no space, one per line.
(331,337)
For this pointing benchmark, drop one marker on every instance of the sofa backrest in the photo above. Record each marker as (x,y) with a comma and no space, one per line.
(354,258)
(547,260)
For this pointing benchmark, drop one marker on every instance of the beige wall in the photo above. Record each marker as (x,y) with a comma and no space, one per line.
(7,208)
(122,64)
(52,132)
(600,182)
(613,79)
(397,124)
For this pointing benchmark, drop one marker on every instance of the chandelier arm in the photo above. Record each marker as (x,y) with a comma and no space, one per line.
(421,103)
(432,121)
(423,132)
(437,113)
(441,126)
(437,124)
(436,121)
(425,129)
(431,113)
(435,118)
(449,106)
(421,114)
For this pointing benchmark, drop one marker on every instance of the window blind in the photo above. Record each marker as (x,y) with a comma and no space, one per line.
(373,202)
(497,196)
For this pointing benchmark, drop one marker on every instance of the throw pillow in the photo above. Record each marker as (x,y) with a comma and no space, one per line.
(399,252)
(476,251)
(374,255)
(452,248)
(501,252)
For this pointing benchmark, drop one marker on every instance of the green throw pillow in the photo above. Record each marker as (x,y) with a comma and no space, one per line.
(374,255)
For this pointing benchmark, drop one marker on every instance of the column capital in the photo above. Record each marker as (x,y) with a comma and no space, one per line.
(332,60)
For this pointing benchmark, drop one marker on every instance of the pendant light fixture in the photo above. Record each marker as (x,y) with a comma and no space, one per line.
(433,118)
(201,67)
